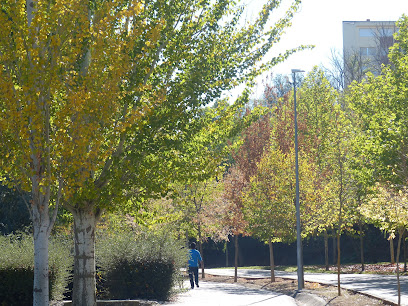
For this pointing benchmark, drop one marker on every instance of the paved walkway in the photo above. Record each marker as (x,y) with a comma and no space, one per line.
(380,286)
(223,294)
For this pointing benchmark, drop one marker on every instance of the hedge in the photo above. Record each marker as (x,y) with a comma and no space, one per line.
(144,266)
(17,268)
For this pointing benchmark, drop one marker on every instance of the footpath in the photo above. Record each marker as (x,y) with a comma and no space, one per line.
(223,294)
(380,286)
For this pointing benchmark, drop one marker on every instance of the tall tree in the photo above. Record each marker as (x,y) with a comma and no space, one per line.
(254,141)
(317,110)
(268,204)
(380,104)
(54,115)
(106,92)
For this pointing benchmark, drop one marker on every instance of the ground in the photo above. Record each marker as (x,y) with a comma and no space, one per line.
(328,293)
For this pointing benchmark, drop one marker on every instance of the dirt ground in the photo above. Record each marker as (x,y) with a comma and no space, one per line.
(289,287)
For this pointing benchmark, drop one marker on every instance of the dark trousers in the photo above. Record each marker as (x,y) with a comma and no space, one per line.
(191,271)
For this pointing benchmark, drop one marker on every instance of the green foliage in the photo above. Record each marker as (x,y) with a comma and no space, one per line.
(139,278)
(16,251)
(17,263)
(268,203)
(381,105)
(139,265)
(386,208)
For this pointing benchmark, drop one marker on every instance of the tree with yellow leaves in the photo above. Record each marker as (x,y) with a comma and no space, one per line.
(97,98)
(59,65)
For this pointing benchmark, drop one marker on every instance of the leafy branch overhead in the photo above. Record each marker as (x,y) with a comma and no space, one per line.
(98,97)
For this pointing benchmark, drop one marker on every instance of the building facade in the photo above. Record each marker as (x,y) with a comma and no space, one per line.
(365,47)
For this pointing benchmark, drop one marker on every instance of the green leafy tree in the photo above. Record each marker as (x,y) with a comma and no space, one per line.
(97,97)
(380,104)
(268,201)
(380,107)
(199,52)
(342,178)
(317,100)
(387,210)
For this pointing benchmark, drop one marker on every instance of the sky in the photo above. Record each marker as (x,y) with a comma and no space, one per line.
(319,23)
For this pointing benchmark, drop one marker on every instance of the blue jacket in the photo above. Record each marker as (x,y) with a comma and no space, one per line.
(195,258)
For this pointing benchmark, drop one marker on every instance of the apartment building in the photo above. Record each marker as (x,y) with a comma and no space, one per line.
(365,47)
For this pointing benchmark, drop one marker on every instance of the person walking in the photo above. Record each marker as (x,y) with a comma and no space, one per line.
(193,263)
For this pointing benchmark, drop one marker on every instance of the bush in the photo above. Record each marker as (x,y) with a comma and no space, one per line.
(17,268)
(16,287)
(138,266)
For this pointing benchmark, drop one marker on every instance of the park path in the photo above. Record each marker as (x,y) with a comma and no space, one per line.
(379,286)
(223,294)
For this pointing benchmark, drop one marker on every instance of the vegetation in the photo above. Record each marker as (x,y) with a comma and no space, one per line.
(17,268)
(99,98)
(105,109)
(138,265)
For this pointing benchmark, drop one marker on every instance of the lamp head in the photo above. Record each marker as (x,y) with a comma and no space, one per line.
(297,70)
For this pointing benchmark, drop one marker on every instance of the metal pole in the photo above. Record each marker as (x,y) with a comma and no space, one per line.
(301,284)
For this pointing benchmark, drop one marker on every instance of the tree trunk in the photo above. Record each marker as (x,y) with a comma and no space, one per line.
(338,264)
(271,260)
(405,250)
(326,250)
(361,245)
(40,162)
(202,263)
(236,259)
(84,289)
(226,254)
(401,232)
(392,250)
(334,249)
(41,234)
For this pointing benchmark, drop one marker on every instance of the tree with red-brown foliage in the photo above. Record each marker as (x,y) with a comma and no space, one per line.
(254,141)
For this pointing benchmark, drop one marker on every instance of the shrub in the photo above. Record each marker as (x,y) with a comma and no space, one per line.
(17,268)
(16,287)
(138,266)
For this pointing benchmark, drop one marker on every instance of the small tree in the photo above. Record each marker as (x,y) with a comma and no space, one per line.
(388,210)
(268,202)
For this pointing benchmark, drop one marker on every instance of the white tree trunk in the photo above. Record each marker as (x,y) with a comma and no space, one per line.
(40,231)
(84,287)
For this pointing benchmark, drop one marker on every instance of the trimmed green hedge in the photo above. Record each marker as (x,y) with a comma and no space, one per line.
(16,287)
(17,268)
(139,279)
(142,266)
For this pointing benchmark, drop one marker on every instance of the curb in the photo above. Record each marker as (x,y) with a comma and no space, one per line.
(309,299)
(118,303)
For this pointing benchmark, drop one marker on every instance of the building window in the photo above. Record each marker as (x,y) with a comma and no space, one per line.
(367,32)
(367,51)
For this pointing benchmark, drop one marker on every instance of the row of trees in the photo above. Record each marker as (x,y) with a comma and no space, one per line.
(102,106)
(353,153)
(353,162)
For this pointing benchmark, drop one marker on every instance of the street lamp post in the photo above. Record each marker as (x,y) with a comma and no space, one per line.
(301,283)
